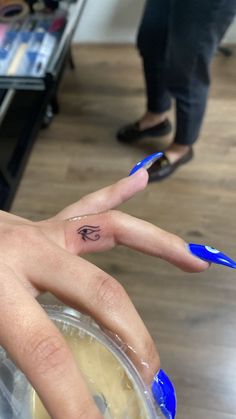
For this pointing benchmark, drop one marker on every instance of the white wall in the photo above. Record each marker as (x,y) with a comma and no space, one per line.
(116,21)
(231,34)
(109,21)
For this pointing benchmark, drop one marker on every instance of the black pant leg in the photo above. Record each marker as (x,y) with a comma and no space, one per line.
(196,29)
(151,42)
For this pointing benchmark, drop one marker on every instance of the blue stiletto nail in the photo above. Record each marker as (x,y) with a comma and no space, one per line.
(164,394)
(146,162)
(212,255)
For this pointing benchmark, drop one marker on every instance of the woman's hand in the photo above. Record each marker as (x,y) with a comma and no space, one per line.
(43,256)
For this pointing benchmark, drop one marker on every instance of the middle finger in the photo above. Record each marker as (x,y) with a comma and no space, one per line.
(99,232)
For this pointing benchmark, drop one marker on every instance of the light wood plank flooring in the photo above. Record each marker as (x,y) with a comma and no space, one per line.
(192,317)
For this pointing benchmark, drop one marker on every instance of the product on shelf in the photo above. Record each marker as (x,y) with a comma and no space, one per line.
(26,47)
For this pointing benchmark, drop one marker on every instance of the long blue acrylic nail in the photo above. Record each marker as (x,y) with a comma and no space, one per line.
(164,394)
(146,162)
(212,255)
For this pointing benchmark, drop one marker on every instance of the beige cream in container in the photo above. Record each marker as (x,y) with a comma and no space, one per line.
(113,381)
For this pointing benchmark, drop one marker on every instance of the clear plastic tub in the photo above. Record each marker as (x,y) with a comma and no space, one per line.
(112,379)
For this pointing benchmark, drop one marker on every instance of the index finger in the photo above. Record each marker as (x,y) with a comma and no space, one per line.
(108,197)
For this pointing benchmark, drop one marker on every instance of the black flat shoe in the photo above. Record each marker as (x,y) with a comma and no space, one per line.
(131,132)
(162,167)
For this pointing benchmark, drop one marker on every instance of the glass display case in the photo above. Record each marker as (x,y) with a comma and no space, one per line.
(33,54)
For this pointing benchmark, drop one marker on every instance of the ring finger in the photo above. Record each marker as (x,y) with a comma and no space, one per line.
(38,348)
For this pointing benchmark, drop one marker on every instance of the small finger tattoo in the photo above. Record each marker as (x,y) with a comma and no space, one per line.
(88,232)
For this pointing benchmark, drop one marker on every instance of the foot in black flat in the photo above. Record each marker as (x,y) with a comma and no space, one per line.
(163,168)
(132,132)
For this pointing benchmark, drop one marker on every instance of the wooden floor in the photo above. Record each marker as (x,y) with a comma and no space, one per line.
(192,317)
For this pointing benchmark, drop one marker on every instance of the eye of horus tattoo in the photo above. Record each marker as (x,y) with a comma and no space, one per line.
(88,232)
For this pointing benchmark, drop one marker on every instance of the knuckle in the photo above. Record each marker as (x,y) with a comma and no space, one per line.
(22,243)
(49,353)
(114,219)
(31,234)
(10,233)
(110,293)
(20,234)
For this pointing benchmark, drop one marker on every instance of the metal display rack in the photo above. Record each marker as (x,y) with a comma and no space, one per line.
(26,104)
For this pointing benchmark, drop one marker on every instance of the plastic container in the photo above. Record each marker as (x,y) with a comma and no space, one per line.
(112,379)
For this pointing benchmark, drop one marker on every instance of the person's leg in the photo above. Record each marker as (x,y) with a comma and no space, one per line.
(151,43)
(196,30)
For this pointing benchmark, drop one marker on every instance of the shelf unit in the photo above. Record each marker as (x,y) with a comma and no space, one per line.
(28,103)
